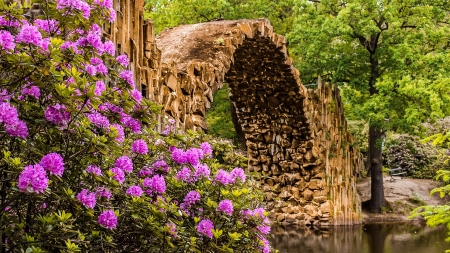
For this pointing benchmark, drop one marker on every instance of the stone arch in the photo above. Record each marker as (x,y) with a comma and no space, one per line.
(296,137)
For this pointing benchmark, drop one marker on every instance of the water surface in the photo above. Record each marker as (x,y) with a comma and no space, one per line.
(368,238)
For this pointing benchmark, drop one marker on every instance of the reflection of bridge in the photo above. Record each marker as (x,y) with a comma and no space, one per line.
(297,138)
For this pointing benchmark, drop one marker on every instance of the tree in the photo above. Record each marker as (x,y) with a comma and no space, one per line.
(82,168)
(389,57)
(170,13)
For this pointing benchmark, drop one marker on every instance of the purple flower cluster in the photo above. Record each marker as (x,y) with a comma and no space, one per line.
(48,25)
(123,60)
(30,35)
(137,95)
(155,184)
(54,163)
(184,174)
(140,147)
(87,198)
(224,177)
(7,41)
(130,122)
(135,191)
(238,173)
(33,178)
(206,148)
(57,114)
(103,192)
(94,169)
(71,5)
(119,176)
(10,118)
(124,163)
(10,21)
(160,165)
(31,91)
(127,75)
(169,128)
(107,219)
(201,170)
(98,119)
(120,133)
(100,87)
(205,228)
(191,198)
(226,206)
(191,156)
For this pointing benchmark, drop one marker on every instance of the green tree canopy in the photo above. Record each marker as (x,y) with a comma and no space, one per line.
(170,13)
(390,57)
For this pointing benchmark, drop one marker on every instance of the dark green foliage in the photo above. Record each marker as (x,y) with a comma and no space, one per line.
(218,118)
(421,160)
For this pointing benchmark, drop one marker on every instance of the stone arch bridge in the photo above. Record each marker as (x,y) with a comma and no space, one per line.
(296,138)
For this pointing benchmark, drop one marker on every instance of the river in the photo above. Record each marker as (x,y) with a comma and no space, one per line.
(367,238)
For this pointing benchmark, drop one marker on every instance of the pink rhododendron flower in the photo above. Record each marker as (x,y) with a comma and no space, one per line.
(226,206)
(108,219)
(103,192)
(224,177)
(184,174)
(109,47)
(54,163)
(100,87)
(135,191)
(74,4)
(34,178)
(32,91)
(7,41)
(48,25)
(125,163)
(17,129)
(238,173)
(137,95)
(205,228)
(155,184)
(123,60)
(8,114)
(87,198)
(140,147)
(94,169)
(160,165)
(128,77)
(206,148)
(98,119)
(57,114)
(263,229)
(30,35)
(191,198)
(201,170)
(119,176)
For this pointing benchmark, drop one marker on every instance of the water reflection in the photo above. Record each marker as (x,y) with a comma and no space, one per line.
(368,238)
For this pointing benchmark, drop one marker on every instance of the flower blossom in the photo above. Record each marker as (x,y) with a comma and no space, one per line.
(33,178)
(140,147)
(226,206)
(30,35)
(108,219)
(7,41)
(155,184)
(184,174)
(119,176)
(125,163)
(54,163)
(57,114)
(75,4)
(238,173)
(127,75)
(135,191)
(191,198)
(123,60)
(224,177)
(94,169)
(205,228)
(87,198)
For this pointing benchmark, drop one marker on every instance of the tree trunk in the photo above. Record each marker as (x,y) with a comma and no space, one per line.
(376,171)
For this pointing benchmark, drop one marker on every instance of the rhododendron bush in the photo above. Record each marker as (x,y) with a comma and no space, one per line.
(82,167)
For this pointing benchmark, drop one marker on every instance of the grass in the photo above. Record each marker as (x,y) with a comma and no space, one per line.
(218,117)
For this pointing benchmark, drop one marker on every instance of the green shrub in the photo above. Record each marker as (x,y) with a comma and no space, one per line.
(82,168)
(421,160)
